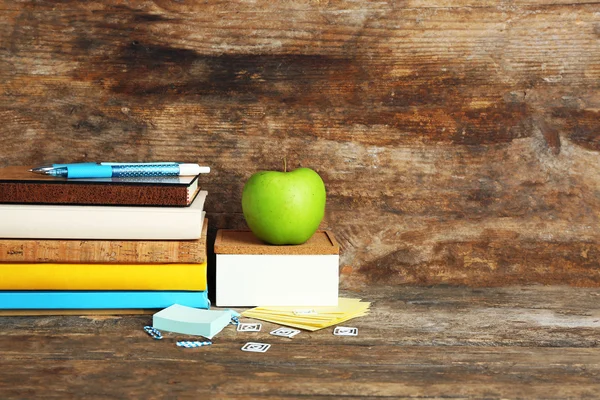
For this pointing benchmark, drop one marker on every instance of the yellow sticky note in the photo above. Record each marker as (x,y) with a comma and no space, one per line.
(311,318)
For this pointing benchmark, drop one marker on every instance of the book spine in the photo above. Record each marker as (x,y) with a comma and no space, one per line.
(104,223)
(23,300)
(25,276)
(103,251)
(93,194)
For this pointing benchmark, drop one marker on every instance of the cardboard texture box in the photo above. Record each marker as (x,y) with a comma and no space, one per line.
(251,273)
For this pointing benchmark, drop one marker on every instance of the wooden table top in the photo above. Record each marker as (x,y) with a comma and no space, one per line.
(517,342)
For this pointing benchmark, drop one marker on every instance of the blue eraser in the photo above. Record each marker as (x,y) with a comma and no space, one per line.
(191,321)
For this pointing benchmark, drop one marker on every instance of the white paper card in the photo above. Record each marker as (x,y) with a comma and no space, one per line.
(256,347)
(345,331)
(285,332)
(249,327)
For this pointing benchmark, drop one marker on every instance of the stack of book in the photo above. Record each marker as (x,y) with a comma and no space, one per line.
(104,245)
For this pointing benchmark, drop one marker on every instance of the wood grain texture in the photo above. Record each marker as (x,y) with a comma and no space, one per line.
(514,342)
(458,140)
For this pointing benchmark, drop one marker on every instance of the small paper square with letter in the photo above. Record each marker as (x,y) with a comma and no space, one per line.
(256,347)
(285,332)
(345,331)
(249,327)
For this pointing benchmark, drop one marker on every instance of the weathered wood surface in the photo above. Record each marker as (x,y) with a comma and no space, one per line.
(458,140)
(514,342)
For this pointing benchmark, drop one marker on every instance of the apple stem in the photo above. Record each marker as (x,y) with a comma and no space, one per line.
(284,164)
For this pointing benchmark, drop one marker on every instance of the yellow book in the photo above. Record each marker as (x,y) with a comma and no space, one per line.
(46,276)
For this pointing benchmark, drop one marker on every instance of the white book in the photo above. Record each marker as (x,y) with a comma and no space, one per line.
(38,221)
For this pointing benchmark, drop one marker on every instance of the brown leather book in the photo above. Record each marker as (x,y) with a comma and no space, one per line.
(105,251)
(18,185)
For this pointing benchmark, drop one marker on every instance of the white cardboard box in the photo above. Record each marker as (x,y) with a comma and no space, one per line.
(251,273)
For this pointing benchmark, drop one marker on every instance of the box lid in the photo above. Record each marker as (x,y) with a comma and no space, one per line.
(231,241)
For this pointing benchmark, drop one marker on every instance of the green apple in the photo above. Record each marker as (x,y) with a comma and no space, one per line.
(284,207)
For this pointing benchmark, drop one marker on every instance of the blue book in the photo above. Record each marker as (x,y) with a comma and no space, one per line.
(26,300)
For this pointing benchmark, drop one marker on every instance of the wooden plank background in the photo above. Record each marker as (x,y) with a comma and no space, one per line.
(458,140)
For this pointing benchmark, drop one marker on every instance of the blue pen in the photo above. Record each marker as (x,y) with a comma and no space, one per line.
(41,169)
(120,170)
